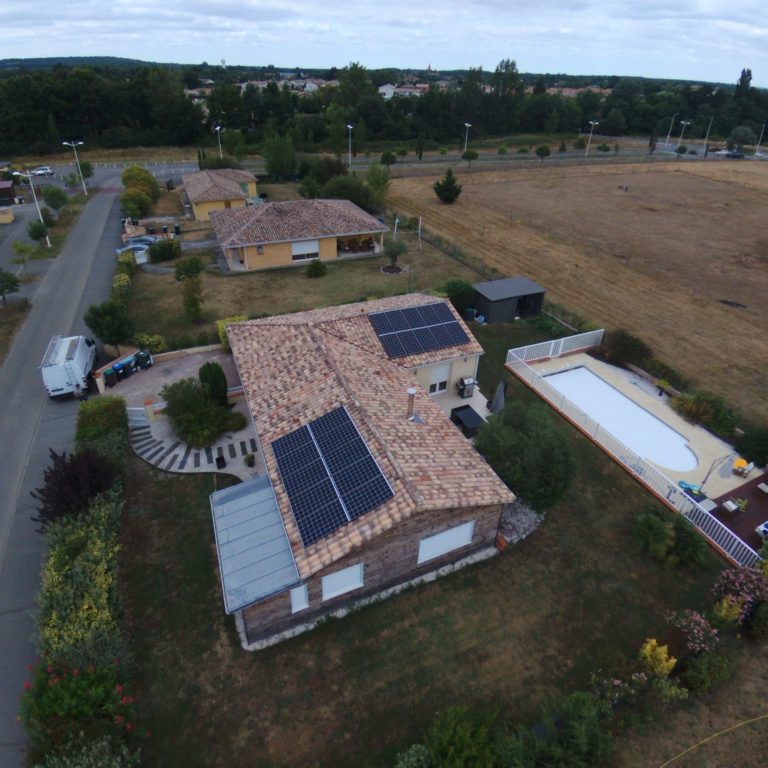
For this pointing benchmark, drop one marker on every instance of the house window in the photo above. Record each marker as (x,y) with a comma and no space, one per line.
(343,581)
(259,249)
(439,375)
(299,599)
(442,543)
(305,250)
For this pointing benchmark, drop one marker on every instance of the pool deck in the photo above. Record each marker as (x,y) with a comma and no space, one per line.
(713,455)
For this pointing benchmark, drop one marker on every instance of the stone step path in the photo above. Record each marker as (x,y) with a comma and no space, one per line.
(175,456)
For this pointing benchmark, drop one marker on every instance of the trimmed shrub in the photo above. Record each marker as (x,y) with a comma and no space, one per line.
(102,426)
(620,347)
(461,294)
(135,203)
(164,250)
(214,382)
(416,756)
(758,622)
(195,418)
(105,752)
(460,737)
(62,704)
(753,444)
(221,328)
(71,484)
(316,268)
(502,150)
(670,539)
(154,343)
(78,605)
(529,450)
(48,218)
(707,670)
(126,264)
(140,178)
(121,289)
(705,408)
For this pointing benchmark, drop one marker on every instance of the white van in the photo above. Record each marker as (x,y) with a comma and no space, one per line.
(66,365)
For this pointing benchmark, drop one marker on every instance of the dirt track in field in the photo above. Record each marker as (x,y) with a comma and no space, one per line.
(656,250)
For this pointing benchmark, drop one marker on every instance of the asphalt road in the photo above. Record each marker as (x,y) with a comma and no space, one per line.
(30,424)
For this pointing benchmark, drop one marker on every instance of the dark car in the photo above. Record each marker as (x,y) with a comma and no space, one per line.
(734,155)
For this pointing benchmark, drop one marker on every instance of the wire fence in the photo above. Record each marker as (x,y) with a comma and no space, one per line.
(721,537)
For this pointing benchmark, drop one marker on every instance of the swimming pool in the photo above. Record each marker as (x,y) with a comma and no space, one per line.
(649,437)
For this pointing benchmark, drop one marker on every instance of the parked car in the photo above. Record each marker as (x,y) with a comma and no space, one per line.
(141,239)
(735,155)
(132,248)
(43,170)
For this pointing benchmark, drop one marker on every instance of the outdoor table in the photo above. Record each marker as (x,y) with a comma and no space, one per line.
(467,419)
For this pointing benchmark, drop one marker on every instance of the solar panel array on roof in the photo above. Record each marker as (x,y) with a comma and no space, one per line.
(414,330)
(329,474)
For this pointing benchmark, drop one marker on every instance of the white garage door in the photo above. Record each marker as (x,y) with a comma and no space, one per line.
(447,541)
(343,581)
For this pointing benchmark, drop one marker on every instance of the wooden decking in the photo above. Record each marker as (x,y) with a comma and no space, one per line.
(743,524)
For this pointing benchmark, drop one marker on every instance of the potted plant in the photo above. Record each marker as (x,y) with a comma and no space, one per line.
(250,460)
(662,385)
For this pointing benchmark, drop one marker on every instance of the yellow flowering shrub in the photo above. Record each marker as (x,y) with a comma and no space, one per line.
(728,610)
(78,603)
(656,659)
(221,328)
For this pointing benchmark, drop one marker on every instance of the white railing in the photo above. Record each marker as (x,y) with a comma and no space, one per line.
(723,538)
(556,347)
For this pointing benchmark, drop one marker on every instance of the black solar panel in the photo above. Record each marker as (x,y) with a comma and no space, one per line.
(329,475)
(414,330)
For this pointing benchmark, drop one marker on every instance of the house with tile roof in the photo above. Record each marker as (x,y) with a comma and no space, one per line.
(218,190)
(290,233)
(369,486)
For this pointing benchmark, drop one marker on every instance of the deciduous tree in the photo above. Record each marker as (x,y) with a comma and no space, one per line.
(9,283)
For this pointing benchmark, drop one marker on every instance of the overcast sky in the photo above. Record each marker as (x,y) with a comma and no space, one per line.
(707,40)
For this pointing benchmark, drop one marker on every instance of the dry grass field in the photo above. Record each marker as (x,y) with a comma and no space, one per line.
(676,253)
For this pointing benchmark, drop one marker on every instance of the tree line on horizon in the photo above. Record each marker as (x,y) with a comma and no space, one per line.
(147,106)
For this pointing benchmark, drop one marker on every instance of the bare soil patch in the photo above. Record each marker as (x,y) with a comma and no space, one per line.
(667,251)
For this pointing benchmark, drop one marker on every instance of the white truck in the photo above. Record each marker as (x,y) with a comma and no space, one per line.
(67,364)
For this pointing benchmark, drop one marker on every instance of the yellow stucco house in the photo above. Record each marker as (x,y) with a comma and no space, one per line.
(288,233)
(218,190)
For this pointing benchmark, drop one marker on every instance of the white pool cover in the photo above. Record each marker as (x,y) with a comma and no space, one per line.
(649,437)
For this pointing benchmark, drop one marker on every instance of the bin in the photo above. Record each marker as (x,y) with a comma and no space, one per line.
(165,229)
(110,378)
(143,360)
(119,371)
(177,229)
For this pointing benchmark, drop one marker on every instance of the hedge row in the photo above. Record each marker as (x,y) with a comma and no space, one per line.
(76,707)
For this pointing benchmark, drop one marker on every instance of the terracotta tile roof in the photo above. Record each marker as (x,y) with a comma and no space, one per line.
(291,220)
(209,186)
(235,174)
(295,368)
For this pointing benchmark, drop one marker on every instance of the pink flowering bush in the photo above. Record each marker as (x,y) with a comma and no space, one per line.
(59,703)
(700,635)
(615,690)
(747,585)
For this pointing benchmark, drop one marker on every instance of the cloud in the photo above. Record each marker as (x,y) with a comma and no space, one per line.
(690,39)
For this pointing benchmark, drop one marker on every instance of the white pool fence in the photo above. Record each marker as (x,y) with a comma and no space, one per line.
(719,535)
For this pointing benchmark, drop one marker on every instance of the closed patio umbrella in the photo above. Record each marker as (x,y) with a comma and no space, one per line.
(498,402)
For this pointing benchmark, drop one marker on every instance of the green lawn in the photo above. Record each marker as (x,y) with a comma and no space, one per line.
(501,635)
(156,303)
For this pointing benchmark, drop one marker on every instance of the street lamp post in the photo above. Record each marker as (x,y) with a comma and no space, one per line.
(218,130)
(466,135)
(669,132)
(706,138)
(29,177)
(349,151)
(592,124)
(75,145)
(684,123)
(757,149)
